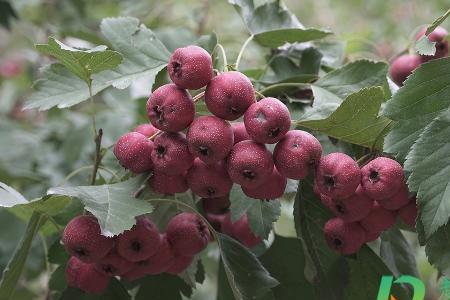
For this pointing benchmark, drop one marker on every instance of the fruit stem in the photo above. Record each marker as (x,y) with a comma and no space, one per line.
(198,97)
(260,95)
(155,135)
(98,155)
(241,52)
(224,57)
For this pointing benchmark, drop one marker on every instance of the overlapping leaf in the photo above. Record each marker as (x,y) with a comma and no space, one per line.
(356,120)
(424,46)
(114,205)
(143,55)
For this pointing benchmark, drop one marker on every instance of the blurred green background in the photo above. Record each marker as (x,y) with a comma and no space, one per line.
(37,150)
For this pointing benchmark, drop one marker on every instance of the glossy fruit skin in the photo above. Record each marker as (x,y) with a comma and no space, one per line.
(210,139)
(408,213)
(209,181)
(168,184)
(399,200)
(337,176)
(171,154)
(190,67)
(146,129)
(187,234)
(382,178)
(379,219)
(272,188)
(345,238)
(229,95)
(180,264)
(240,133)
(133,151)
(403,66)
(82,238)
(240,230)
(85,277)
(439,37)
(296,153)
(217,205)
(140,242)
(170,108)
(250,164)
(354,208)
(113,264)
(267,121)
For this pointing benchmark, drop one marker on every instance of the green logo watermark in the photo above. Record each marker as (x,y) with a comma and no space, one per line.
(417,285)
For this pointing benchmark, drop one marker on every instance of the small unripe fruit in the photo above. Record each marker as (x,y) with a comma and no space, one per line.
(180,264)
(296,153)
(140,242)
(82,238)
(379,219)
(345,238)
(250,164)
(403,66)
(209,181)
(171,154)
(408,213)
(146,129)
(354,208)
(216,205)
(267,121)
(210,139)
(382,178)
(190,67)
(113,264)
(168,184)
(170,108)
(438,36)
(229,95)
(240,133)
(162,260)
(400,199)
(240,230)
(272,188)
(133,151)
(337,176)
(85,277)
(187,234)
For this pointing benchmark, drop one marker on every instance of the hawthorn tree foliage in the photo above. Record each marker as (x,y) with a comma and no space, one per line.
(354,108)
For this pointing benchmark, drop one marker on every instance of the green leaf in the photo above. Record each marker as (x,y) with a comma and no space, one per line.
(162,287)
(325,268)
(278,37)
(261,214)
(247,277)
(397,254)
(437,22)
(429,164)
(114,205)
(48,207)
(115,291)
(143,55)
(285,261)
(365,275)
(438,249)
(10,197)
(57,254)
(82,63)
(425,47)
(12,272)
(356,120)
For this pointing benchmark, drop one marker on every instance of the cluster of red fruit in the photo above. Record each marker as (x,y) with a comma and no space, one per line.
(405,64)
(137,252)
(366,201)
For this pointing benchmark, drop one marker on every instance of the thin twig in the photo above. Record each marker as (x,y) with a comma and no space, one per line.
(241,52)
(98,155)
(155,135)
(198,97)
